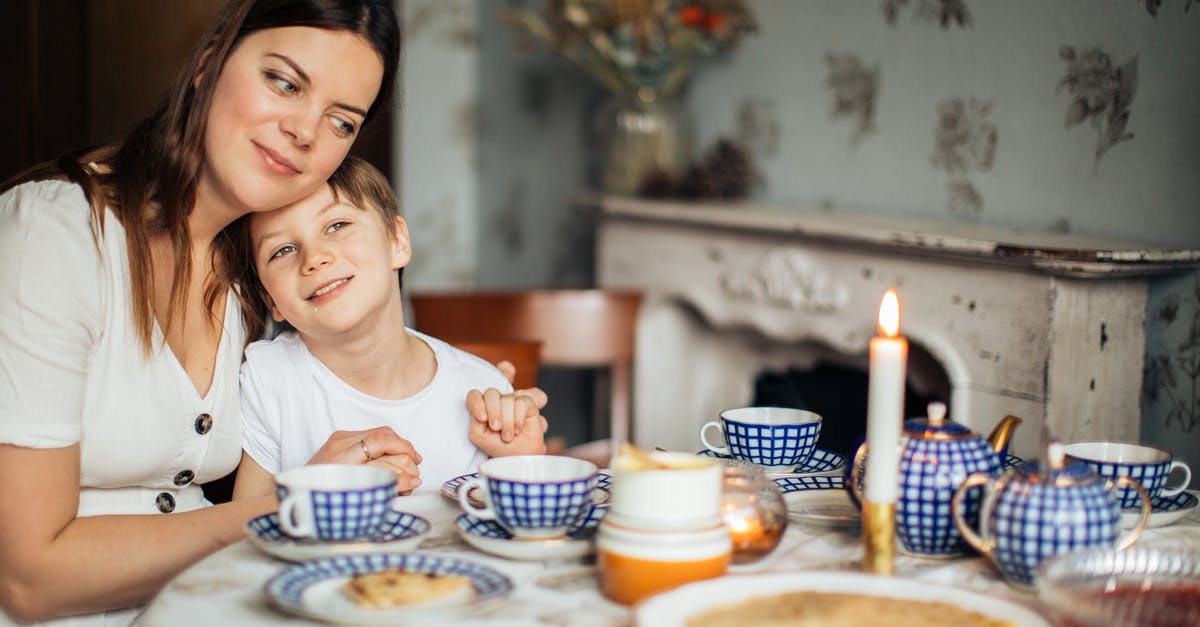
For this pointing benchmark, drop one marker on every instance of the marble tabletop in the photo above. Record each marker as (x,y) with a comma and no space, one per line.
(227,587)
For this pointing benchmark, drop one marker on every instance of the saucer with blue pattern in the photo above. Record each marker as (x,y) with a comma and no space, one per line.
(818,500)
(313,589)
(488,536)
(1165,510)
(400,531)
(821,462)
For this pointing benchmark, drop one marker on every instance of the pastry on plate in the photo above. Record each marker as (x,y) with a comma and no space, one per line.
(395,587)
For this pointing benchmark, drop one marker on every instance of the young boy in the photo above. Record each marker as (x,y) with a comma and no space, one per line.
(329,267)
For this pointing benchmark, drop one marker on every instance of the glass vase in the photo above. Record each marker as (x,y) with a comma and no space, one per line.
(640,138)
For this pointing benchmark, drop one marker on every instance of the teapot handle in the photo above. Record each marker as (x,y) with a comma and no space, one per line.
(1132,536)
(983,545)
(856,473)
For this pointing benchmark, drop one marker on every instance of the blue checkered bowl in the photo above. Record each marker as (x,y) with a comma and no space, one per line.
(1149,466)
(532,496)
(334,502)
(1029,515)
(772,437)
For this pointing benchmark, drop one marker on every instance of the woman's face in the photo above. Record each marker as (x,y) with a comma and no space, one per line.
(286,108)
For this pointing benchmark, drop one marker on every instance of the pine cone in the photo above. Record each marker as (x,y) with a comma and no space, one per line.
(729,171)
(696,184)
(658,183)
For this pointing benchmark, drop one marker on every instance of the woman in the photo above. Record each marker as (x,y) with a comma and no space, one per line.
(120,334)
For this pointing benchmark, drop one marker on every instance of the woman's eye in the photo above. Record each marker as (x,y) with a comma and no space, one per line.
(344,128)
(281,251)
(336,226)
(282,84)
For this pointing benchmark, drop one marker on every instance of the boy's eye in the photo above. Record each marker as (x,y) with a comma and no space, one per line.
(281,251)
(336,226)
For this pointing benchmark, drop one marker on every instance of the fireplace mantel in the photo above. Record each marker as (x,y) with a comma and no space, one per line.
(1049,327)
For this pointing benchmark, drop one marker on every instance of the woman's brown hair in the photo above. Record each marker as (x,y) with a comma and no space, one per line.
(149,179)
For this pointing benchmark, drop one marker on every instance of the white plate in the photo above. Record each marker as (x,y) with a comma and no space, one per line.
(314,588)
(400,532)
(821,461)
(820,500)
(675,607)
(1166,510)
(600,496)
(488,536)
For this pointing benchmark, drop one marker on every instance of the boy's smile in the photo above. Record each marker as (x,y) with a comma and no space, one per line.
(327,265)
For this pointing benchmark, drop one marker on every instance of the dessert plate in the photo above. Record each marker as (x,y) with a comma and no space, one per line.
(1164,510)
(400,532)
(488,536)
(313,589)
(819,500)
(600,496)
(675,608)
(821,461)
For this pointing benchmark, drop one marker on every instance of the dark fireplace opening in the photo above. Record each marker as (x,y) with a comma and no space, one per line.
(839,394)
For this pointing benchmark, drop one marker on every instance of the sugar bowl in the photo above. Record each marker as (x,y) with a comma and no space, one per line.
(1036,511)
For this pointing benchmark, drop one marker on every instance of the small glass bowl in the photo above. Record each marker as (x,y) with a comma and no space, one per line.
(753,509)
(1137,587)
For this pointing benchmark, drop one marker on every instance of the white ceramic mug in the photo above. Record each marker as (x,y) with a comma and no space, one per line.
(334,502)
(683,492)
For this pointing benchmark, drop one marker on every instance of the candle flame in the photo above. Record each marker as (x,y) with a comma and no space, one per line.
(889,314)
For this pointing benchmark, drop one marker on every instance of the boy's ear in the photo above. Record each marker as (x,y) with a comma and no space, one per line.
(401,245)
(275,313)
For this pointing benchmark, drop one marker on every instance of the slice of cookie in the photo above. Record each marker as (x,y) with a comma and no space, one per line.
(395,587)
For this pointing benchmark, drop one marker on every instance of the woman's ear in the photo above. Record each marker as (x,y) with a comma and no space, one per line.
(401,245)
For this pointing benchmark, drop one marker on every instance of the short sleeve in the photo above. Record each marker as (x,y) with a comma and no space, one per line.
(51,291)
(260,428)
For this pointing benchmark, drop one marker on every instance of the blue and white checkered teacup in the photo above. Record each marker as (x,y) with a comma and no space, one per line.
(334,502)
(777,438)
(534,497)
(1149,466)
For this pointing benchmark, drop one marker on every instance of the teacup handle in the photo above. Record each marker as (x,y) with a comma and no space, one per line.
(1187,478)
(983,543)
(719,450)
(464,499)
(295,516)
(1132,536)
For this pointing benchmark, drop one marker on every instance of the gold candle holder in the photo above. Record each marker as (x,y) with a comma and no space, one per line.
(879,537)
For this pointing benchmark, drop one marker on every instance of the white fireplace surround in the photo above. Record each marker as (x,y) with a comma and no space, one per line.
(1043,326)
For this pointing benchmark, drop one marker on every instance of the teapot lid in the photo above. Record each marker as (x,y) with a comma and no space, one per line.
(1056,471)
(935,426)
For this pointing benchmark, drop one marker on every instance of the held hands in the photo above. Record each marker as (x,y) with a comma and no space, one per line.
(380,446)
(508,424)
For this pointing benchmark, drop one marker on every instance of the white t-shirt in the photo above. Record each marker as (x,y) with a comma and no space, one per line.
(291,403)
(72,369)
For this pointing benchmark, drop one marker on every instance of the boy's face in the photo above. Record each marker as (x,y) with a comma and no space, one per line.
(328,265)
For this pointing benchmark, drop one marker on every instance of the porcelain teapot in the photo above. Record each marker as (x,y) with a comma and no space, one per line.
(937,455)
(1035,511)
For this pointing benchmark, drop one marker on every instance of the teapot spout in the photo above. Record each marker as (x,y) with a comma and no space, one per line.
(1002,434)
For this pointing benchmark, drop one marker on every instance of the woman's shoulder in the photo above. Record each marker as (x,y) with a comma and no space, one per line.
(51,205)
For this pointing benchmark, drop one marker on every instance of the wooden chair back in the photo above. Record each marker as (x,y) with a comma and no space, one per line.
(525,355)
(589,328)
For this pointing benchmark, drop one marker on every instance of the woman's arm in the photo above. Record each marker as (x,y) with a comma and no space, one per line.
(55,564)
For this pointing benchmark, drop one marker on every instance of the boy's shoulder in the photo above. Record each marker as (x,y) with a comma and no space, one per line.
(283,352)
(455,363)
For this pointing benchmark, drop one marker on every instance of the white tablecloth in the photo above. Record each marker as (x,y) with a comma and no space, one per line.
(226,588)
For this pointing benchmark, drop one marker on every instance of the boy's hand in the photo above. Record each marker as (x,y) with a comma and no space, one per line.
(380,446)
(530,440)
(505,413)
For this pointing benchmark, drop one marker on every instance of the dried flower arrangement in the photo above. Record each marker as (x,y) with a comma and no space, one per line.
(641,50)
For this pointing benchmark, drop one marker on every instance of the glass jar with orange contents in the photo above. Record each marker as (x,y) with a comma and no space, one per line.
(636,563)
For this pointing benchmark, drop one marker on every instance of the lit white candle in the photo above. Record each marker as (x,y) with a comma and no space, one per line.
(885,405)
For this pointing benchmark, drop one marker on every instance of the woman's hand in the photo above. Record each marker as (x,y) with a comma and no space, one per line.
(380,446)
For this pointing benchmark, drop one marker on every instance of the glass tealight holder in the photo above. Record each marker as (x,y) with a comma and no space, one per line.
(754,511)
